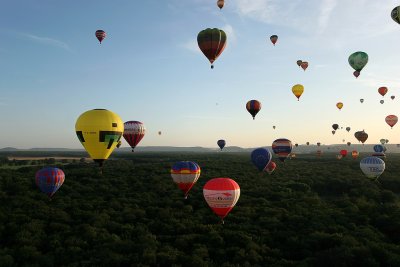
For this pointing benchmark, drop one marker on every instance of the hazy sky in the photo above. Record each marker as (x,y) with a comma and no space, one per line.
(149,68)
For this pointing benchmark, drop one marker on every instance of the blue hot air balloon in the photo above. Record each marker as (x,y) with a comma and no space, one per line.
(372,167)
(378,148)
(49,180)
(282,148)
(221,143)
(261,158)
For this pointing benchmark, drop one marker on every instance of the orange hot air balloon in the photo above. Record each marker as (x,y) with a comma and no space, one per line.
(354,154)
(221,194)
(298,90)
(339,105)
(304,65)
(382,91)
(220,3)
(211,42)
(391,120)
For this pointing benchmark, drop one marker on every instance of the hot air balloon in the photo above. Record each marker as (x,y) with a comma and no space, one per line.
(49,180)
(253,107)
(296,145)
(362,100)
(382,101)
(308,143)
(391,120)
(354,154)
(220,4)
(335,126)
(343,140)
(339,156)
(299,62)
(343,152)
(348,143)
(378,148)
(221,143)
(211,42)
(273,127)
(372,167)
(282,148)
(395,14)
(159,132)
(382,141)
(270,167)
(339,105)
(318,144)
(261,158)
(386,141)
(100,35)
(348,129)
(357,61)
(298,90)
(273,39)
(134,132)
(382,91)
(304,65)
(185,174)
(221,194)
(392,97)
(333,132)
(361,136)
(99,131)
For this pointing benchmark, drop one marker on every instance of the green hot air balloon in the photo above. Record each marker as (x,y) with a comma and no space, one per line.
(357,61)
(211,42)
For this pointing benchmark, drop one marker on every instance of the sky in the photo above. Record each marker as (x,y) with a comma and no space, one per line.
(149,68)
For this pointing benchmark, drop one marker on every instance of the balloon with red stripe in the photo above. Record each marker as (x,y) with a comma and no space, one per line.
(185,174)
(391,120)
(282,148)
(211,42)
(253,107)
(270,167)
(100,35)
(134,132)
(221,194)
(49,180)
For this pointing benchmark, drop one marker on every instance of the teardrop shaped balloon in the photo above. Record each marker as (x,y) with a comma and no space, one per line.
(383,141)
(270,167)
(282,147)
(383,90)
(391,120)
(273,39)
(220,3)
(296,145)
(308,143)
(134,132)
(382,101)
(395,14)
(49,180)
(343,152)
(100,35)
(335,126)
(261,157)
(304,65)
(211,42)
(358,60)
(99,131)
(348,129)
(185,174)
(348,143)
(253,107)
(221,143)
(318,144)
(354,154)
(392,97)
(339,105)
(299,62)
(362,100)
(221,195)
(273,127)
(372,167)
(298,90)
(361,136)
(159,132)
(333,132)
(356,73)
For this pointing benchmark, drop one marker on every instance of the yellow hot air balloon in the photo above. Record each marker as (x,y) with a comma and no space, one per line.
(99,131)
(339,105)
(298,90)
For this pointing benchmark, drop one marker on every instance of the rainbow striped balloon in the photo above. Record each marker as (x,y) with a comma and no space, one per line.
(49,180)
(282,147)
(185,174)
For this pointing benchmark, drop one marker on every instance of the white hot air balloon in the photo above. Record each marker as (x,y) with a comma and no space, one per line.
(372,167)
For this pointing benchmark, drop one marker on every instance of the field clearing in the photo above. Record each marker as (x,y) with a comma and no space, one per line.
(42,158)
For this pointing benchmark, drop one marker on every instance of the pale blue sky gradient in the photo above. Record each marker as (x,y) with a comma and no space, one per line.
(150,69)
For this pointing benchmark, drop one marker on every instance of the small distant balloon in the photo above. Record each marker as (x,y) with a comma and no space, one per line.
(304,65)
(348,129)
(220,3)
(339,105)
(333,132)
(348,143)
(270,167)
(382,90)
(392,97)
(253,107)
(354,154)
(343,152)
(382,101)
(273,127)
(308,143)
(100,35)
(298,90)
(335,126)
(391,120)
(274,39)
(299,62)
(362,100)
(159,132)
(221,143)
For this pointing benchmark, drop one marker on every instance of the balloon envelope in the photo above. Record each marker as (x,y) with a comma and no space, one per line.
(343,152)
(282,147)
(298,90)
(49,180)
(211,42)
(220,3)
(391,120)
(372,167)
(100,35)
(304,65)
(395,14)
(348,129)
(261,157)
(378,148)
(253,107)
(273,39)
(221,143)
(134,132)
(185,174)
(339,105)
(299,62)
(99,131)
(354,154)
(270,167)
(335,126)
(221,194)
(382,90)
(358,60)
